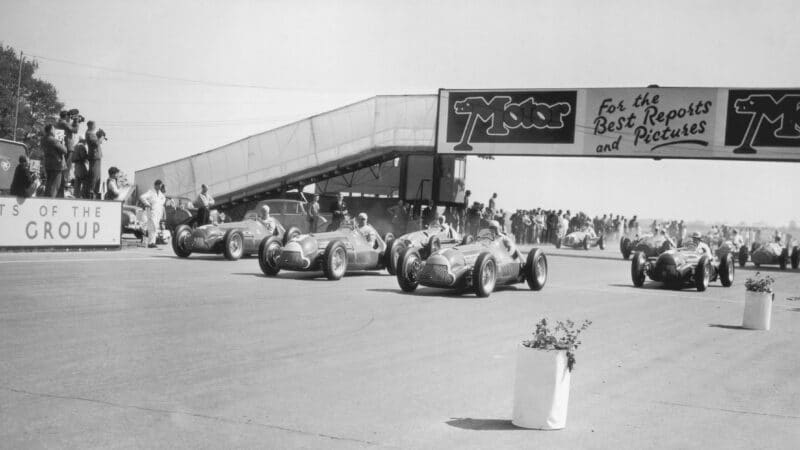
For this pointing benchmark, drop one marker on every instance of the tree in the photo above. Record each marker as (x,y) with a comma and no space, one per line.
(38,102)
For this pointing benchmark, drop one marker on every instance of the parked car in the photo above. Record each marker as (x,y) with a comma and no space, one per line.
(428,241)
(740,253)
(233,239)
(774,253)
(682,267)
(478,266)
(334,253)
(291,213)
(133,220)
(581,239)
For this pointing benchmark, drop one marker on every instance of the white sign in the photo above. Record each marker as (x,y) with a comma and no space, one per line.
(57,222)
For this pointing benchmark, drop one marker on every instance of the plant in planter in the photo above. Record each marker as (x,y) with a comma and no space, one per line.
(758,299)
(544,365)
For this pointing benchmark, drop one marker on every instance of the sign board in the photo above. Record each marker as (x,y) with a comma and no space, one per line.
(56,222)
(692,123)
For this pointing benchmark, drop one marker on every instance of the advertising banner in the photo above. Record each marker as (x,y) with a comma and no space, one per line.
(691,123)
(50,222)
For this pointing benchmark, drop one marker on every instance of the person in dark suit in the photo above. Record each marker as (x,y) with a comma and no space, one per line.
(54,163)
(339,211)
(24,182)
(94,144)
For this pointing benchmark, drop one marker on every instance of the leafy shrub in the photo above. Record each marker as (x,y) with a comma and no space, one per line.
(759,283)
(563,337)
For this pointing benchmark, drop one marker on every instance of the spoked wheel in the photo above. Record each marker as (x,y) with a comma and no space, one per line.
(335,261)
(269,253)
(484,275)
(408,266)
(234,245)
(536,269)
(702,274)
(182,242)
(393,256)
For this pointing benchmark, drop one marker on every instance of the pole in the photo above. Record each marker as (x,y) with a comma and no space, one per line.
(19,83)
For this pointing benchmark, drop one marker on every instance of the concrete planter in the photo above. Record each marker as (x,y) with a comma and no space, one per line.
(757,310)
(541,389)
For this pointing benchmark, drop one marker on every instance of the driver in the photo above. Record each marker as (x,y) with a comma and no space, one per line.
(270,223)
(588,229)
(699,245)
(441,223)
(736,239)
(365,228)
(494,227)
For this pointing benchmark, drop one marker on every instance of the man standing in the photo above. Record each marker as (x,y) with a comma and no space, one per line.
(339,211)
(95,155)
(153,201)
(70,131)
(22,185)
(54,164)
(204,203)
(314,218)
(492,206)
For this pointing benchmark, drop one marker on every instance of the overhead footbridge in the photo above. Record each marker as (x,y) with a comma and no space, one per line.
(311,150)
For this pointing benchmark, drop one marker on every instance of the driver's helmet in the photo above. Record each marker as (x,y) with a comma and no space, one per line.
(264,212)
(360,217)
(696,236)
(494,226)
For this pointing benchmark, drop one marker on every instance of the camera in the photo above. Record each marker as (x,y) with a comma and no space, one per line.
(74,114)
(101,134)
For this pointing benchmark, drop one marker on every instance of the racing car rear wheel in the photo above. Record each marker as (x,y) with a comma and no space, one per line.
(637,269)
(468,239)
(558,242)
(408,266)
(234,245)
(182,242)
(393,251)
(743,254)
(484,276)
(726,270)
(702,273)
(783,259)
(335,264)
(586,242)
(601,243)
(795,257)
(536,269)
(625,247)
(269,251)
(290,234)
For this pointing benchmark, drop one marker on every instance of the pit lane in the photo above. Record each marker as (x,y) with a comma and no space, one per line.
(137,348)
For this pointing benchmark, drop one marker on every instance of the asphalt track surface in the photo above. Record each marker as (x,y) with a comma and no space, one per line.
(139,349)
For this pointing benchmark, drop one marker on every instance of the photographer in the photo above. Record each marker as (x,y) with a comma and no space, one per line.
(94,142)
(54,164)
(80,159)
(25,181)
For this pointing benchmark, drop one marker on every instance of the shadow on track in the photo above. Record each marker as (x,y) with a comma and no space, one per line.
(587,256)
(438,292)
(727,327)
(468,423)
(310,276)
(658,286)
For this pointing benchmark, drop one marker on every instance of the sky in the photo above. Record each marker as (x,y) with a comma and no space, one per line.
(189,76)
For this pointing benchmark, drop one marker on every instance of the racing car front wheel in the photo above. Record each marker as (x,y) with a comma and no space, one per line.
(484,276)
(536,269)
(268,253)
(702,273)
(408,265)
(743,254)
(393,251)
(726,270)
(182,242)
(335,264)
(625,247)
(783,259)
(637,269)
(796,258)
(233,245)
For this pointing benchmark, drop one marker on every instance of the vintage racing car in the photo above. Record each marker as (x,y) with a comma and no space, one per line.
(682,267)
(333,252)
(480,266)
(233,239)
(581,239)
(133,220)
(775,253)
(427,241)
(740,253)
(650,244)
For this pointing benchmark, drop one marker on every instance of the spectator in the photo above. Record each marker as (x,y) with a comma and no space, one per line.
(314,217)
(339,211)
(81,187)
(492,205)
(54,164)
(462,212)
(70,130)
(94,143)
(203,203)
(399,215)
(25,182)
(112,189)
(270,223)
(153,201)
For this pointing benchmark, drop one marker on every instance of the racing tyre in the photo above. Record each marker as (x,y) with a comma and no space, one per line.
(468,239)
(335,264)
(558,242)
(601,243)
(586,242)
(182,242)
(702,274)
(290,234)
(536,269)
(743,254)
(783,259)
(484,276)
(269,252)
(637,269)
(408,265)
(233,245)
(393,251)
(726,270)
(795,257)
(625,247)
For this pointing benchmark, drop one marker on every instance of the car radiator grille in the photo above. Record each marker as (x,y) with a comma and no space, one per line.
(433,273)
(292,258)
